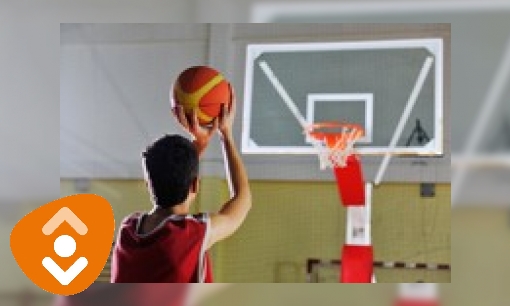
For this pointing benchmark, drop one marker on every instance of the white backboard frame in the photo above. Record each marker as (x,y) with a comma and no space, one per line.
(433,45)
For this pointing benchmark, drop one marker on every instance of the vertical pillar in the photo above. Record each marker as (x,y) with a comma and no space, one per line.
(356,196)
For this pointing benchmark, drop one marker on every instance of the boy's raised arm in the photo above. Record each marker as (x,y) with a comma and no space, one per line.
(232,214)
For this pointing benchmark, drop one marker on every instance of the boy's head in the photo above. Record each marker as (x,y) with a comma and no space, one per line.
(171,166)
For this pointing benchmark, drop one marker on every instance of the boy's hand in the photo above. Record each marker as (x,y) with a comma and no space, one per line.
(226,118)
(201,134)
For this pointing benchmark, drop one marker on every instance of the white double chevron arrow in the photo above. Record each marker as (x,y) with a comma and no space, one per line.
(65,277)
(65,215)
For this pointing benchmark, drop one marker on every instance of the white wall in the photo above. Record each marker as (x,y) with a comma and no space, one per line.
(115,82)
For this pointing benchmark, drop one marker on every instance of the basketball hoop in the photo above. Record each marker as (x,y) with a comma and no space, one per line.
(334,142)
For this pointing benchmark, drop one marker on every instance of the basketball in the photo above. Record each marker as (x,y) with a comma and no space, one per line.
(204,89)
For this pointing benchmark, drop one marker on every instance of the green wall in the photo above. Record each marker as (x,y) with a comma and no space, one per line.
(293,221)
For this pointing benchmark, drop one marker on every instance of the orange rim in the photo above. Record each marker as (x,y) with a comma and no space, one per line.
(336,139)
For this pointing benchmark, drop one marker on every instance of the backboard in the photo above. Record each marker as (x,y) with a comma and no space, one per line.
(370,83)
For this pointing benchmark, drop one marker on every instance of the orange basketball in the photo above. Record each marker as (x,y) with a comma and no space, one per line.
(204,89)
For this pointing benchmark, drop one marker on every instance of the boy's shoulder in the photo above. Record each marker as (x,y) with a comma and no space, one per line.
(132,217)
(197,217)
(202,218)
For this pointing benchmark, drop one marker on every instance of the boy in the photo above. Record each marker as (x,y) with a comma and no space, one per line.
(168,244)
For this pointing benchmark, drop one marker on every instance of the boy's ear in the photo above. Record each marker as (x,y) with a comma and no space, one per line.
(194,185)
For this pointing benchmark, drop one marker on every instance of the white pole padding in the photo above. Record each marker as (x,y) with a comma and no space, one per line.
(368,207)
(360,218)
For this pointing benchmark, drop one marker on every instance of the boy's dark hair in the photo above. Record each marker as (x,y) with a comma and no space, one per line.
(171,163)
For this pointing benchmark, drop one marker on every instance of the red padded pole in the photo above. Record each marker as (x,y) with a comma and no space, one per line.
(351,187)
(357,264)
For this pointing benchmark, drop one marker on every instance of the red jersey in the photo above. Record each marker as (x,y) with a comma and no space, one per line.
(174,252)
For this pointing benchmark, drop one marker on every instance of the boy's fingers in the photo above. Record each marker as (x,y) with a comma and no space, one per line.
(224,111)
(233,107)
(229,111)
(182,117)
(233,100)
(175,110)
(215,124)
(194,119)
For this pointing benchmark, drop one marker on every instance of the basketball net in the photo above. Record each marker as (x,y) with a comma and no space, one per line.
(334,142)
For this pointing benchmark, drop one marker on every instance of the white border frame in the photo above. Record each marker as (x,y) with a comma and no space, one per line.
(266,12)
(433,45)
(481,161)
(418,292)
(367,98)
